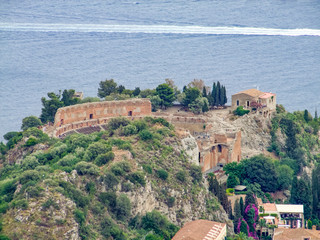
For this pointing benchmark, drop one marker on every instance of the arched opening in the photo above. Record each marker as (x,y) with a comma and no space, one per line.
(130,113)
(248,103)
(238,102)
(219,148)
(91,116)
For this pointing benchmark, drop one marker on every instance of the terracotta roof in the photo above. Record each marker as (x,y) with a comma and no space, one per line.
(200,230)
(252,92)
(267,95)
(295,234)
(269,207)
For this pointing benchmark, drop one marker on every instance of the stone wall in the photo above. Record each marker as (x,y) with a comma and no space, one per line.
(89,114)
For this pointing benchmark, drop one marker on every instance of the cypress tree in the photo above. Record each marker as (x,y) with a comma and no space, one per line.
(204,92)
(244,227)
(214,94)
(218,92)
(316,115)
(225,100)
(205,107)
(241,206)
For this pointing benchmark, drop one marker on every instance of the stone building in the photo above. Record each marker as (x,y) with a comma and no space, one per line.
(263,103)
(219,149)
(97,113)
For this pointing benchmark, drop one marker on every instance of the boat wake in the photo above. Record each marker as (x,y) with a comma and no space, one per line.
(157,29)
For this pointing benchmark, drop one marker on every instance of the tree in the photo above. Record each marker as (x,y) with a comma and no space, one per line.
(191,94)
(261,169)
(106,88)
(241,206)
(316,191)
(166,94)
(197,83)
(307,116)
(136,91)
(198,105)
(232,181)
(50,107)
(29,122)
(204,92)
(284,174)
(156,103)
(68,97)
(120,89)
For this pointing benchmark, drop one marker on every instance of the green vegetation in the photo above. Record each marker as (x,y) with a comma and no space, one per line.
(78,167)
(240,111)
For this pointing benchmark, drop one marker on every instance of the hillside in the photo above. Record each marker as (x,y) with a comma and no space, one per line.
(128,182)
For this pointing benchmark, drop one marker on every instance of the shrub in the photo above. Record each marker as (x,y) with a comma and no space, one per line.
(34,191)
(91,188)
(68,160)
(102,159)
(29,175)
(137,177)
(232,181)
(181,176)
(145,135)
(31,142)
(240,111)
(171,201)
(70,191)
(50,202)
(115,123)
(85,168)
(23,204)
(109,199)
(95,149)
(159,224)
(163,174)
(126,187)
(123,207)
(29,163)
(147,168)
(140,125)
(130,130)
(120,168)
(110,180)
(196,173)
(79,216)
(7,189)
(110,230)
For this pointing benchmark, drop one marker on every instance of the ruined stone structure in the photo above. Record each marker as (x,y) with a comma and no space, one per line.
(96,113)
(214,146)
(253,99)
(216,150)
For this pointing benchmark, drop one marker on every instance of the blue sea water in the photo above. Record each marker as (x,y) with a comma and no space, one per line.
(51,45)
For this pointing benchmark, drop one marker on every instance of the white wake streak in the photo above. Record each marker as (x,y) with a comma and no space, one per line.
(156,29)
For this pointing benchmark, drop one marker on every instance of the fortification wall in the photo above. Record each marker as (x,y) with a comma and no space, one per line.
(87,114)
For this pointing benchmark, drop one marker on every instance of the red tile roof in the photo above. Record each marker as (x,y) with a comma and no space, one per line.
(200,230)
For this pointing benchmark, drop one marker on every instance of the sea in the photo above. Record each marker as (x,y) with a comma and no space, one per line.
(47,46)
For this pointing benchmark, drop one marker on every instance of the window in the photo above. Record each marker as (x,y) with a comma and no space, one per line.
(248,104)
(91,116)
(199,157)
(130,113)
(219,148)
(238,102)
